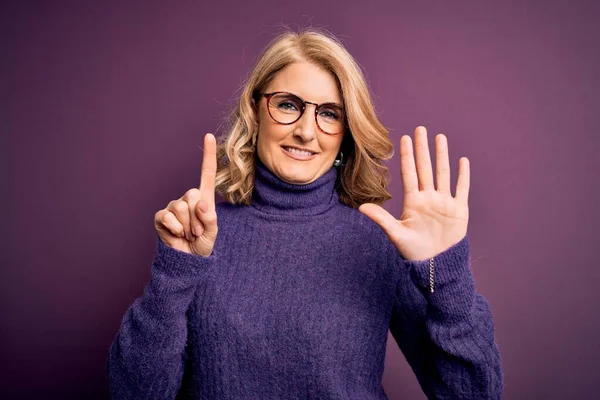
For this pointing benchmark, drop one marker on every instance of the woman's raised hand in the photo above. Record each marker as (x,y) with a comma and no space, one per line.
(432,220)
(189,224)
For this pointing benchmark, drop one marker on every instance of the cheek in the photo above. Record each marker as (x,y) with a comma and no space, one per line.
(269,137)
(335,146)
(272,133)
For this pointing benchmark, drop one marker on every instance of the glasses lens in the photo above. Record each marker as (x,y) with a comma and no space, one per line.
(330,118)
(286,108)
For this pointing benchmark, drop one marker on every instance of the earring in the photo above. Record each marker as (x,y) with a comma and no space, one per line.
(337,162)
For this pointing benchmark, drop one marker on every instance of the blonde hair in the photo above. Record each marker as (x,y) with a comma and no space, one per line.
(366,143)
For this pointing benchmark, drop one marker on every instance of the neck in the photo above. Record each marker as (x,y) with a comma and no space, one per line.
(272,195)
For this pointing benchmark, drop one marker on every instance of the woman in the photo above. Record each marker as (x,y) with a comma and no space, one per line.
(290,293)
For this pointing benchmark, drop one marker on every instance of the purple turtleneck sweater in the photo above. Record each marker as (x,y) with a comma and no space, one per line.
(295,302)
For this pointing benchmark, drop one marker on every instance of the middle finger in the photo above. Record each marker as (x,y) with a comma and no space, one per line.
(423,159)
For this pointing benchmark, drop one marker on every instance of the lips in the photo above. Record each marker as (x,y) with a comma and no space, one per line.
(297,156)
(287,148)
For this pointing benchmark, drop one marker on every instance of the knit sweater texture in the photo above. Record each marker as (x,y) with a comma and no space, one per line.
(295,302)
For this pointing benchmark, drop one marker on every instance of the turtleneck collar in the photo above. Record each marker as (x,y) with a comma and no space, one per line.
(272,195)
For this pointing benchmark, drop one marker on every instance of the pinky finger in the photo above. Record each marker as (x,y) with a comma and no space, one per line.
(464,180)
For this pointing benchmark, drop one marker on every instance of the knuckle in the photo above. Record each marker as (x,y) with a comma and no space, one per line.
(166,217)
(191,194)
(162,217)
(180,206)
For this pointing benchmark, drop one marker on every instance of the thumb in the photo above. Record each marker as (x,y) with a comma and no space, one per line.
(200,209)
(381,217)
(208,219)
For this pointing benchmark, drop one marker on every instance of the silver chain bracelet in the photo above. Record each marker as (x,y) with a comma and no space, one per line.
(431,274)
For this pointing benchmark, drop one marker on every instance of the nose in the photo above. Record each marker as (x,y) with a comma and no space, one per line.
(306,127)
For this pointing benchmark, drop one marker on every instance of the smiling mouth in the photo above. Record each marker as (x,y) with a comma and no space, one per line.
(297,151)
(298,154)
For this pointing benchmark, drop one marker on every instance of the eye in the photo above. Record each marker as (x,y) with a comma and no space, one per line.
(287,105)
(330,114)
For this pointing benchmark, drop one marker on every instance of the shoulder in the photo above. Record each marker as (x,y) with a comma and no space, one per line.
(357,219)
(225,207)
(228,213)
(354,221)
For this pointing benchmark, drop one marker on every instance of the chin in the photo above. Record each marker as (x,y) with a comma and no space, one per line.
(298,177)
(297,172)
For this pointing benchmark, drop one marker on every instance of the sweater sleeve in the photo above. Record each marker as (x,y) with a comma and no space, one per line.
(148,355)
(446,336)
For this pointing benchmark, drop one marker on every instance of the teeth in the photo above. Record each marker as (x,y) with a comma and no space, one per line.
(299,152)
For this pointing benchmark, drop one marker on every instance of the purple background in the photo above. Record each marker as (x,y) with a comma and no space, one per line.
(104,107)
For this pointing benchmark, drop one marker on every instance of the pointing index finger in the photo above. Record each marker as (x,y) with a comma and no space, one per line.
(209,169)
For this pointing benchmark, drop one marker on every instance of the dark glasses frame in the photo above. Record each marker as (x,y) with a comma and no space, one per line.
(268,96)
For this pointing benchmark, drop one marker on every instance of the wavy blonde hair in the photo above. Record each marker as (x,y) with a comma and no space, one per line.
(366,143)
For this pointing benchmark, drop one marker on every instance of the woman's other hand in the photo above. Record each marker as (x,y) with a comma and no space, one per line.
(189,224)
(432,220)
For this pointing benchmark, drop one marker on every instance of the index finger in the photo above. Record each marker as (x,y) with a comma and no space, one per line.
(209,169)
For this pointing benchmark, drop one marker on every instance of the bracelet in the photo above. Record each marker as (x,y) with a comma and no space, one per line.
(431,274)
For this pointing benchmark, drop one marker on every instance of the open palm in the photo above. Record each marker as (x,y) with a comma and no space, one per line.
(432,220)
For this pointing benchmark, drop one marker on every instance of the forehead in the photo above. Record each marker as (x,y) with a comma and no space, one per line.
(307,80)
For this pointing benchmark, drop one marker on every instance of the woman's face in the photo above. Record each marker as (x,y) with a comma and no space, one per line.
(314,84)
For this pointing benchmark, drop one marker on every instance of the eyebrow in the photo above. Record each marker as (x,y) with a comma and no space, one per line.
(325,102)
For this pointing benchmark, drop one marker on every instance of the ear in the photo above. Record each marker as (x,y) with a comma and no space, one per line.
(255,107)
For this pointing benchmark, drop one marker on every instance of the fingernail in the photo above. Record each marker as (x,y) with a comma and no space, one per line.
(203,206)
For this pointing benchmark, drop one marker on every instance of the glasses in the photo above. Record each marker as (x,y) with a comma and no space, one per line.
(286,108)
